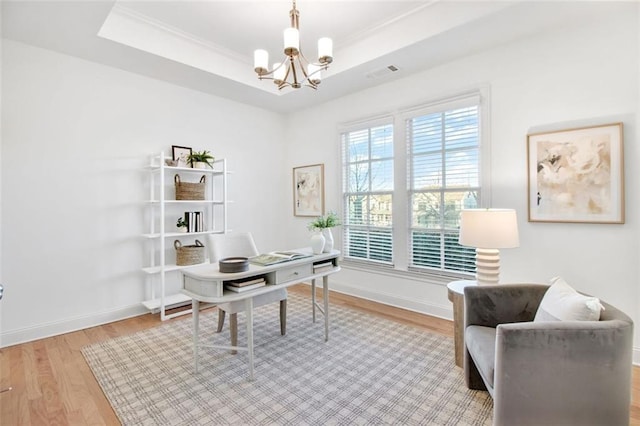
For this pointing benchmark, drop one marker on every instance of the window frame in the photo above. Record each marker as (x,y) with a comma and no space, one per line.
(366,228)
(401,227)
(443,230)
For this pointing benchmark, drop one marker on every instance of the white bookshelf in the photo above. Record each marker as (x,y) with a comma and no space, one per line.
(161,272)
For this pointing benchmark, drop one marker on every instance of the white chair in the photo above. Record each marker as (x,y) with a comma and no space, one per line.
(241,244)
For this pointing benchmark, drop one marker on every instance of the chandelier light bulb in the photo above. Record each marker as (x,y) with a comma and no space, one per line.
(291,41)
(325,50)
(261,61)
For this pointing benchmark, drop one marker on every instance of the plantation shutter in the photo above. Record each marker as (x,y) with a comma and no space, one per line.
(443,148)
(368,193)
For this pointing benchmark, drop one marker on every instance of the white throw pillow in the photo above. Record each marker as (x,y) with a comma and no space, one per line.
(562,303)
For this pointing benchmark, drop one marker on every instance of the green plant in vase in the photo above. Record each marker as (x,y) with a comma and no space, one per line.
(322,225)
(201,159)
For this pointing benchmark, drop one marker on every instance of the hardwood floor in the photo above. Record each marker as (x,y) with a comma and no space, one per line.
(53,385)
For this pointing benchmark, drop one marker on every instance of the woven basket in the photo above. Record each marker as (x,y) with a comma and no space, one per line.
(189,190)
(189,255)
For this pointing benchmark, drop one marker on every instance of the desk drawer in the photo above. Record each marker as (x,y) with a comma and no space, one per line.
(203,287)
(293,273)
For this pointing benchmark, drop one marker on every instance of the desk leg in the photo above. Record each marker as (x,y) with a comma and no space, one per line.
(313,298)
(195,309)
(325,297)
(249,315)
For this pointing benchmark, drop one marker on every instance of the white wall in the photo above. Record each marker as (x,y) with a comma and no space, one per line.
(76,135)
(0,173)
(629,163)
(75,139)
(583,73)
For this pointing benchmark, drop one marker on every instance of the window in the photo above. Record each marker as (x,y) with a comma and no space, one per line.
(444,178)
(413,225)
(368,193)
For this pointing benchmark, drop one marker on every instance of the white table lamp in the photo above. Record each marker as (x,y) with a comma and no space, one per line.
(488,230)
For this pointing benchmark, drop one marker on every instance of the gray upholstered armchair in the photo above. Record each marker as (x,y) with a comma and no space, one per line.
(546,373)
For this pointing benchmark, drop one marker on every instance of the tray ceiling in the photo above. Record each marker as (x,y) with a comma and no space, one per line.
(208,45)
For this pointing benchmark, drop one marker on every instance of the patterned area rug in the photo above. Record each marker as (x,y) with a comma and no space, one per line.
(371,371)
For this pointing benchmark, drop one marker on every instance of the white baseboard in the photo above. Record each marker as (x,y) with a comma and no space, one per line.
(394,300)
(42,331)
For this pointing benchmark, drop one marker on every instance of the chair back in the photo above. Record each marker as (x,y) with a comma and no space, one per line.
(236,244)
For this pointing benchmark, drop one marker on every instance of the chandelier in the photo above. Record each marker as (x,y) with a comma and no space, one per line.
(295,69)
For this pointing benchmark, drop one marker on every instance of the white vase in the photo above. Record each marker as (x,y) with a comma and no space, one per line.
(200,165)
(317,243)
(328,240)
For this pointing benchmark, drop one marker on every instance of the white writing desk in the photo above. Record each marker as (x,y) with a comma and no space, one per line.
(205,283)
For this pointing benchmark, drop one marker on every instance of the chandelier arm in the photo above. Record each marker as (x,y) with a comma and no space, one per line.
(320,65)
(296,84)
(310,82)
(286,76)
(302,60)
(302,65)
(264,75)
(284,82)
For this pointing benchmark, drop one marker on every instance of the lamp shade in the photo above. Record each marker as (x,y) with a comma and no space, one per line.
(489,228)
(291,41)
(325,50)
(261,60)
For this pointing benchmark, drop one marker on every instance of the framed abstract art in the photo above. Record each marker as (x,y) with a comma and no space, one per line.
(308,190)
(577,175)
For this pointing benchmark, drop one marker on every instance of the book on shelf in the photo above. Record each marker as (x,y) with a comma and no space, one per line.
(276,257)
(244,283)
(319,267)
(246,287)
(195,221)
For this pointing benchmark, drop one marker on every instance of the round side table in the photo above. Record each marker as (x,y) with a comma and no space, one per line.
(455,293)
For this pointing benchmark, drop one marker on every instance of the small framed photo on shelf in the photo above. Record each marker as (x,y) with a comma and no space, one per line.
(308,190)
(181,155)
(576,175)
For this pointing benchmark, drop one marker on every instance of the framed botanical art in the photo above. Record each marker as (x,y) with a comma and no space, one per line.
(577,175)
(308,190)
(181,153)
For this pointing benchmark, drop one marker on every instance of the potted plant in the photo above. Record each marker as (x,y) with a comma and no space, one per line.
(323,225)
(201,159)
(323,222)
(181,224)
